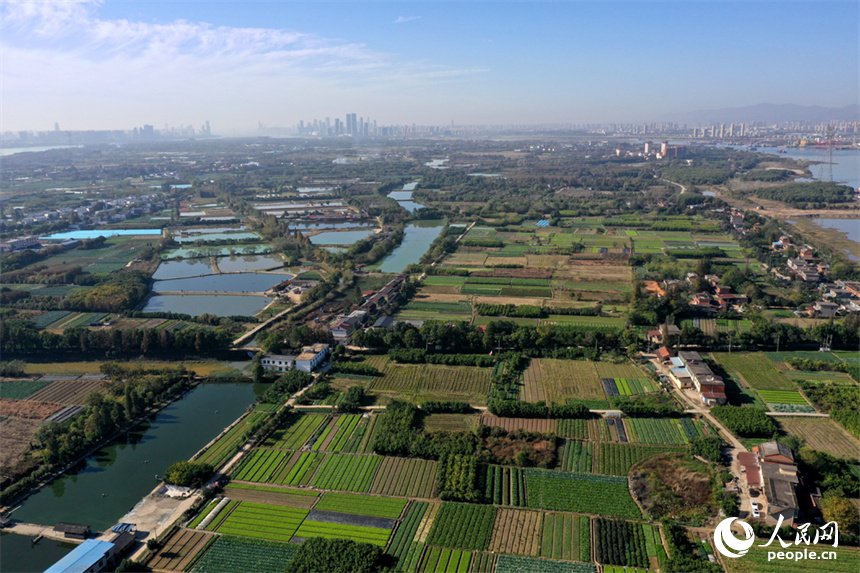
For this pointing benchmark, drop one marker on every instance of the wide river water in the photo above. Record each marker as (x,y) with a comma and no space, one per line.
(108,484)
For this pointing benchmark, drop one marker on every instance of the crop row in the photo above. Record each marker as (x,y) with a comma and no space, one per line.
(346,425)
(408,477)
(566,537)
(260,521)
(406,531)
(573,428)
(580,493)
(782,397)
(463,526)
(618,542)
(444,560)
(346,472)
(299,469)
(576,456)
(259,466)
(296,431)
(249,556)
(655,431)
(358,533)
(503,486)
(518,564)
(227,444)
(617,459)
(362,504)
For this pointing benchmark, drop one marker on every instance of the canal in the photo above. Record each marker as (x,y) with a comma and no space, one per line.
(105,486)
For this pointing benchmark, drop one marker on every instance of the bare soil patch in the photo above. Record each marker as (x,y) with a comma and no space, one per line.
(673,485)
(17,433)
(27,409)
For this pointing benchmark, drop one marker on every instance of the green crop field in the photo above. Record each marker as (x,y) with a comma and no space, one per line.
(250,556)
(580,493)
(299,469)
(504,486)
(439,560)
(519,564)
(407,477)
(463,526)
(357,533)
(576,456)
(672,431)
(566,537)
(406,531)
(346,472)
(575,428)
(617,459)
(262,521)
(755,369)
(20,389)
(259,466)
(362,504)
(782,396)
(295,431)
(422,382)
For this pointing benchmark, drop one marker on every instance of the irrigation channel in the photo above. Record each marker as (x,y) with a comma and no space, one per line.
(104,487)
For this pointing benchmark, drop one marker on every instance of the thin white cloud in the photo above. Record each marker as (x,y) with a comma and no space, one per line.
(62,59)
(404,19)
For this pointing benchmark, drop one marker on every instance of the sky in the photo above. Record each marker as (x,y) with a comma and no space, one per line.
(93,64)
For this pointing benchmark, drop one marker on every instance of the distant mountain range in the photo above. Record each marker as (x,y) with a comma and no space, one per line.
(769,113)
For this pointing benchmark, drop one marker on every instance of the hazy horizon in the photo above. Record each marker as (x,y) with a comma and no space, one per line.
(115,65)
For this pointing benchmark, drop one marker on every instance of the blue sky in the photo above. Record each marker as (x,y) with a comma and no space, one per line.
(114,65)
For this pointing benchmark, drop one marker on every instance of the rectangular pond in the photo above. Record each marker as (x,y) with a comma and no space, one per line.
(183,268)
(238,282)
(105,486)
(95,233)
(217,304)
(196,252)
(241,263)
(340,237)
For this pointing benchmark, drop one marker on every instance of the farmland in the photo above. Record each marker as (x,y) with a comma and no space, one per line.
(405,477)
(299,469)
(358,533)
(227,444)
(517,564)
(517,531)
(756,561)
(756,370)
(580,493)
(20,389)
(540,425)
(566,537)
(462,526)
(672,431)
(180,550)
(567,379)
(407,531)
(504,486)
(430,381)
(260,521)
(822,434)
(271,495)
(259,466)
(72,392)
(235,553)
(618,542)
(346,472)
(441,560)
(617,459)
(297,429)
(573,428)
(362,505)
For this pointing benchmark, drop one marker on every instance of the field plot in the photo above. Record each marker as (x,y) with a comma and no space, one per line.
(297,429)
(714,326)
(533,391)
(570,379)
(463,526)
(785,401)
(373,506)
(451,422)
(503,485)
(406,532)
(580,493)
(270,495)
(566,537)
(259,466)
(618,542)
(358,533)
(517,531)
(346,472)
(338,434)
(572,428)
(179,550)
(672,431)
(576,456)
(17,434)
(847,560)
(20,389)
(519,564)
(299,469)
(72,392)
(439,560)
(235,554)
(617,459)
(755,369)
(822,434)
(261,521)
(423,382)
(227,444)
(628,386)
(540,425)
(407,477)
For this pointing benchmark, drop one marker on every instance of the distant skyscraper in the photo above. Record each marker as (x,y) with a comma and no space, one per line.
(647,147)
(664,147)
(351,124)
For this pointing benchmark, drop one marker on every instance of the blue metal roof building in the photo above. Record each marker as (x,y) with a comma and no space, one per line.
(90,556)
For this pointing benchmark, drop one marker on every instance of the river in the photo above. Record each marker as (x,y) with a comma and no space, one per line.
(846,162)
(105,486)
(416,240)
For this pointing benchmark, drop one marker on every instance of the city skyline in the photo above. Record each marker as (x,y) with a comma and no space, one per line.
(94,65)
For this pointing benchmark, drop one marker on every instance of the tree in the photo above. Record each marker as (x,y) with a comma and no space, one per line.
(188,474)
(839,509)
